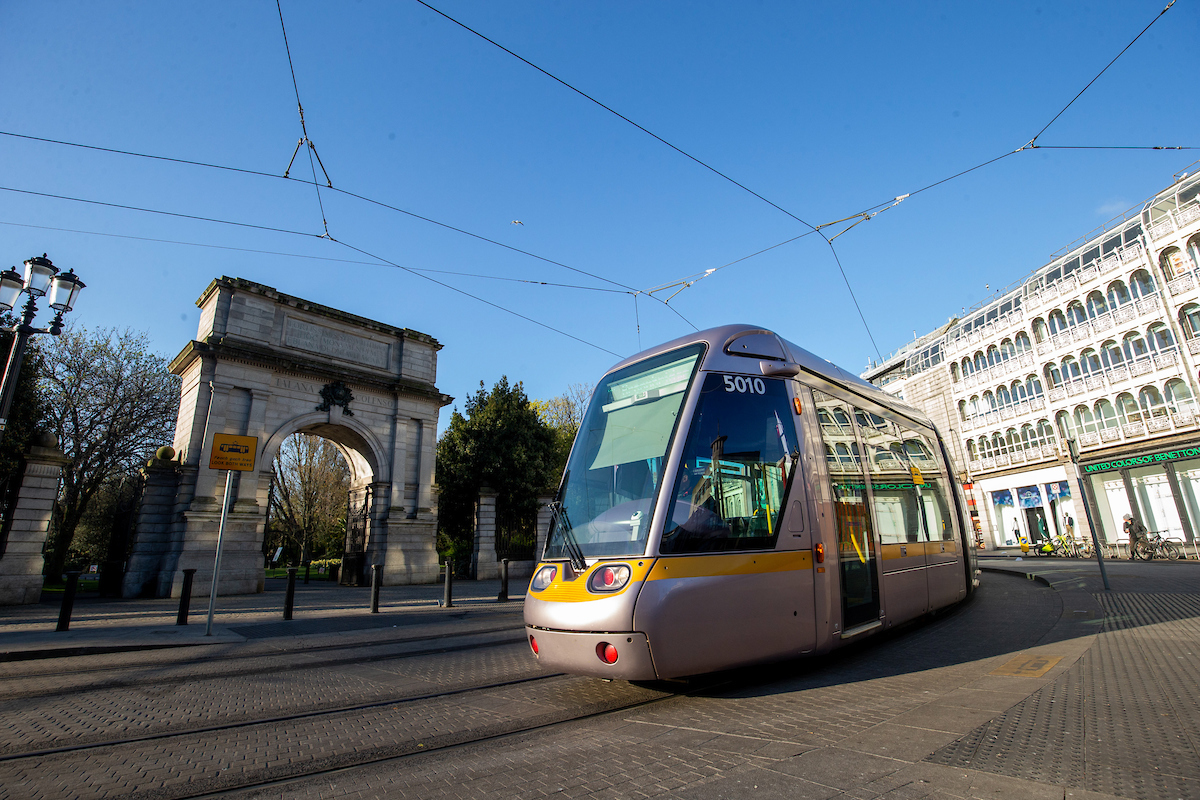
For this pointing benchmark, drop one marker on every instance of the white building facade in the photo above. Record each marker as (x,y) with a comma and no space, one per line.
(1099,346)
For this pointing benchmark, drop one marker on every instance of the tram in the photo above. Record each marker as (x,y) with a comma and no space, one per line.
(732,499)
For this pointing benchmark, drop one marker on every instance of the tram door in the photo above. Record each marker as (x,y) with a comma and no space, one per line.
(856,550)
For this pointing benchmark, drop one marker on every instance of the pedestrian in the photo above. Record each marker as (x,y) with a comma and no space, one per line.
(1136,532)
(1041,529)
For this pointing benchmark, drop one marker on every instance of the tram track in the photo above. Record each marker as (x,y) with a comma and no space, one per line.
(193,670)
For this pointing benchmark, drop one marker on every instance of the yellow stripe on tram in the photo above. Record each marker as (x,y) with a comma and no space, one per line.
(735,564)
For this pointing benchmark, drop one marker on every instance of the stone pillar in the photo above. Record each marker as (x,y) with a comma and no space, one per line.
(152,536)
(484,557)
(21,565)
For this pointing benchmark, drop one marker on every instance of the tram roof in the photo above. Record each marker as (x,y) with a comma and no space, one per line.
(717,338)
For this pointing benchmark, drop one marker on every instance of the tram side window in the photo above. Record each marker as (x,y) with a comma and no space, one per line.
(896,501)
(933,493)
(734,476)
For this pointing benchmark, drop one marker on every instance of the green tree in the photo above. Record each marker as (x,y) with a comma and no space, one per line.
(111,403)
(308,505)
(564,415)
(500,443)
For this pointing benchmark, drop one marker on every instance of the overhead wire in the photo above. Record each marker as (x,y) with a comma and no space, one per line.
(304,140)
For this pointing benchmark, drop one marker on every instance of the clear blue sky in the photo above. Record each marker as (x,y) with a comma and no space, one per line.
(825,109)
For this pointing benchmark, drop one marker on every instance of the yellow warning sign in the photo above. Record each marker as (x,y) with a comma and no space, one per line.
(1030,665)
(918,478)
(233,452)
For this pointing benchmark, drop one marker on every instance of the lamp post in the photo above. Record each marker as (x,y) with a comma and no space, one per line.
(41,277)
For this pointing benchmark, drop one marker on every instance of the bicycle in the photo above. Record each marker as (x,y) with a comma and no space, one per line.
(1153,544)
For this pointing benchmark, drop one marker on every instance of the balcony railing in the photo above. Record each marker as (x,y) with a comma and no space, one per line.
(1182,284)
(1161,229)
(1148,304)
(1193,345)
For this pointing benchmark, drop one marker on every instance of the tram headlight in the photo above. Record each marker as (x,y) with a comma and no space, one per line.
(543,578)
(609,578)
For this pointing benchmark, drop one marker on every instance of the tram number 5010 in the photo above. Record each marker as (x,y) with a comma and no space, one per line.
(745,385)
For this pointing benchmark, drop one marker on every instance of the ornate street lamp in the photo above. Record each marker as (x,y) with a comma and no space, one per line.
(41,278)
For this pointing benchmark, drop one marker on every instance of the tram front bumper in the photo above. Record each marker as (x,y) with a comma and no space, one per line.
(585,653)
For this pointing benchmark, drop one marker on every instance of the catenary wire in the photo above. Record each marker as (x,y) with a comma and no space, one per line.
(303,127)
(1101,72)
(364,198)
(312,257)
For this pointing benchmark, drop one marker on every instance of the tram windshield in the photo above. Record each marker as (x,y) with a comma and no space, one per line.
(613,474)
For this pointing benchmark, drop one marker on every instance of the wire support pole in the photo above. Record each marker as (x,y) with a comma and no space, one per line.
(212,595)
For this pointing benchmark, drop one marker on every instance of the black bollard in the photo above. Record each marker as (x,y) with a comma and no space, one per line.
(289,600)
(448,594)
(185,596)
(307,569)
(376,583)
(64,613)
(503,596)
(333,572)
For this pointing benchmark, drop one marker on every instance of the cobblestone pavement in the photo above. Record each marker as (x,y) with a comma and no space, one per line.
(937,711)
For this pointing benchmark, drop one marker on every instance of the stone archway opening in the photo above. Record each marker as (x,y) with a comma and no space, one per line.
(269,365)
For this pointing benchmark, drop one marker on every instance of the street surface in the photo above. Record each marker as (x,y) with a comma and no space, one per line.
(1045,686)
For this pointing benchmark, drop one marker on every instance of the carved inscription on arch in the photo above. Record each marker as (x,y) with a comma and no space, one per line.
(336,344)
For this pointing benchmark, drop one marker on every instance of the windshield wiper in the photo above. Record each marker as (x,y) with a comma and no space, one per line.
(563,523)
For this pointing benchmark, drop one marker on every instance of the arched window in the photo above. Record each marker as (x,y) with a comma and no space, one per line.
(989,401)
(1127,409)
(1160,338)
(1070,369)
(1141,284)
(1045,433)
(973,407)
(1189,320)
(953,372)
(967,367)
(1007,350)
(1019,394)
(1040,332)
(1117,294)
(1053,375)
(1172,263)
(972,453)
(1111,355)
(1022,342)
(1135,346)
(1066,426)
(1151,402)
(1178,396)
(999,447)
(1096,305)
(1089,360)
(980,362)
(1076,314)
(985,447)
(962,410)
(1034,385)
(1058,321)
(993,356)
(1085,421)
(1106,415)
(1003,397)
(1028,436)
(1013,439)
(1193,249)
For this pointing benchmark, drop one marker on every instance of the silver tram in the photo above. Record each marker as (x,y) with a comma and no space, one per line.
(732,499)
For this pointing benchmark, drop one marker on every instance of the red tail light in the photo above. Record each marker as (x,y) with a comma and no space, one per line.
(533,644)
(606,653)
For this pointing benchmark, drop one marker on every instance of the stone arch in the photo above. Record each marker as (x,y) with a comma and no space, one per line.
(268,365)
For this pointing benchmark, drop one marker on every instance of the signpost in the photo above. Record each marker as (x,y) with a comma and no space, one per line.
(232,454)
